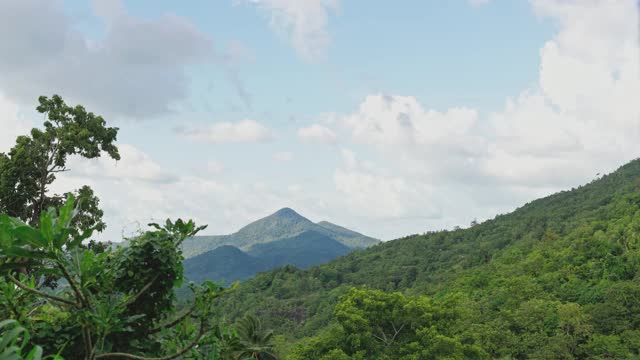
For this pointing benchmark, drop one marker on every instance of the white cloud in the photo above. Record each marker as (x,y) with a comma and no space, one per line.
(303,22)
(431,169)
(11,124)
(368,192)
(582,118)
(135,165)
(136,70)
(135,191)
(227,132)
(318,134)
(283,156)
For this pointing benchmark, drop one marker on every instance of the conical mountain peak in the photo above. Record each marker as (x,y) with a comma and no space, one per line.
(287,212)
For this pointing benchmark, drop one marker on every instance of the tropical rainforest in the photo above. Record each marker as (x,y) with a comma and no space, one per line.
(558,278)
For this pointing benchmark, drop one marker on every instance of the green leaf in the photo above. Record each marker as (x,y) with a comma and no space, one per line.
(35,354)
(7,323)
(30,236)
(22,252)
(61,237)
(7,224)
(13,336)
(78,239)
(5,237)
(66,212)
(46,227)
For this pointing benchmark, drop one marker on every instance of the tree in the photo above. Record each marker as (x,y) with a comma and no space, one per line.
(255,342)
(28,169)
(115,304)
(377,325)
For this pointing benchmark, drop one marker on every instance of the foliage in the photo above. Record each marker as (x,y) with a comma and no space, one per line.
(28,169)
(559,278)
(14,343)
(375,324)
(255,342)
(116,303)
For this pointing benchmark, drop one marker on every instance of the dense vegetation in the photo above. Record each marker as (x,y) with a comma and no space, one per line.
(558,278)
(78,300)
(283,224)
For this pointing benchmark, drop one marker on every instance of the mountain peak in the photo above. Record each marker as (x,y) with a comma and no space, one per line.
(287,212)
(282,224)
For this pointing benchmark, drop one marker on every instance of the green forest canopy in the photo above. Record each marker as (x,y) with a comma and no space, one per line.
(556,279)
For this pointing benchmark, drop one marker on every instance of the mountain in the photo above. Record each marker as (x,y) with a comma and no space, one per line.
(558,278)
(228,264)
(284,223)
(304,250)
(348,237)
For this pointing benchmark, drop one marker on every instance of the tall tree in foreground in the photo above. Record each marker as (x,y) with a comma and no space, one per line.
(31,166)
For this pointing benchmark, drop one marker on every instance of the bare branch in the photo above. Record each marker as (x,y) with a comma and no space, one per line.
(40,293)
(142,291)
(176,321)
(73,284)
(52,171)
(397,331)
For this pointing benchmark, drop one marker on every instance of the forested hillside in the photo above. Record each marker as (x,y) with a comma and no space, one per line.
(556,279)
(227,263)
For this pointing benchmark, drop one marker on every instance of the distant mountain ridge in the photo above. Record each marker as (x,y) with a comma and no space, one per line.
(283,224)
(227,264)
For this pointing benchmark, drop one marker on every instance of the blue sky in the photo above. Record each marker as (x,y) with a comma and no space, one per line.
(390,118)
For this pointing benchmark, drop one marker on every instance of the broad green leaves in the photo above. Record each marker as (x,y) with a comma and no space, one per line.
(110,300)
(30,236)
(14,343)
(48,242)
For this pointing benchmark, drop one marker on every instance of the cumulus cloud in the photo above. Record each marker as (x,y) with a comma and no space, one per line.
(129,204)
(368,192)
(136,70)
(134,165)
(303,22)
(227,132)
(431,169)
(135,191)
(317,134)
(582,118)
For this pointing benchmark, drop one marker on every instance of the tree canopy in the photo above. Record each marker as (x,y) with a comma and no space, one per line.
(31,165)
(558,278)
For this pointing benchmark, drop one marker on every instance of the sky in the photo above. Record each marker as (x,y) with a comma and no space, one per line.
(389,118)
